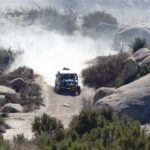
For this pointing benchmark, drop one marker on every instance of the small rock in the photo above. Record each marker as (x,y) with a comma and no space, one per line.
(12,108)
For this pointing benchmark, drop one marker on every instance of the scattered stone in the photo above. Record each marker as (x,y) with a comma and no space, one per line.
(12,108)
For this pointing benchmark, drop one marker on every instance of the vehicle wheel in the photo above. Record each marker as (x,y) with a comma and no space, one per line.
(78,90)
(56,89)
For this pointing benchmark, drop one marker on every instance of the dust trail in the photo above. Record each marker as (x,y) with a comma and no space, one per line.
(48,51)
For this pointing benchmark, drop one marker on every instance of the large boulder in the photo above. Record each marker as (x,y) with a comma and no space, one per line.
(142,56)
(6,90)
(130,69)
(128,33)
(146,61)
(17,84)
(107,30)
(132,99)
(102,92)
(12,108)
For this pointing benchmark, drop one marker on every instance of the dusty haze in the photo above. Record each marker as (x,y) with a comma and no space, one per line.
(48,51)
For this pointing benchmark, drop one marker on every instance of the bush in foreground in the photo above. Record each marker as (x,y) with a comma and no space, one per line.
(48,125)
(96,130)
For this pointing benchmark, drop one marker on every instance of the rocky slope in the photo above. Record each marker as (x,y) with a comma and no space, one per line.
(132,99)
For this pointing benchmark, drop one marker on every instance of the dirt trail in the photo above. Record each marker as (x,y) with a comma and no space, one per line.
(62,107)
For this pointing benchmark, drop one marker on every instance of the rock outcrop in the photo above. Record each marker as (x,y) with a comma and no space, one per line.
(132,99)
(12,108)
(130,69)
(142,56)
(6,90)
(17,84)
(128,33)
(102,92)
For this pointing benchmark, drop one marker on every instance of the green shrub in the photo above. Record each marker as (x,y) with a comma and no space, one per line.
(89,119)
(138,44)
(144,70)
(49,125)
(104,71)
(93,130)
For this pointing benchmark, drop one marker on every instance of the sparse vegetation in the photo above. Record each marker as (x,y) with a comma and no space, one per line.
(49,17)
(138,44)
(105,71)
(91,129)
(93,19)
(48,125)
(144,70)
(97,129)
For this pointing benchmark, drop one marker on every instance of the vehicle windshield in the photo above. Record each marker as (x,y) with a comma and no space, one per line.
(69,76)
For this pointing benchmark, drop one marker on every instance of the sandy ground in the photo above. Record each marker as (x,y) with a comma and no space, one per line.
(63,107)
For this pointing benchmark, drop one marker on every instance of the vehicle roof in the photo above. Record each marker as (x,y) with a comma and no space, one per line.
(66,71)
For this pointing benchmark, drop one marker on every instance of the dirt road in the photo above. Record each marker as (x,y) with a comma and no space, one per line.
(63,107)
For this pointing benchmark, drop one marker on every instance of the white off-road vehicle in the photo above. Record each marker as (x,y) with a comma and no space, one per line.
(67,81)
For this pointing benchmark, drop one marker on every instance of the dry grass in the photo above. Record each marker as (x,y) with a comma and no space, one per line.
(105,71)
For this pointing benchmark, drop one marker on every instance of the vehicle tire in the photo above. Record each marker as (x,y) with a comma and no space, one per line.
(78,90)
(56,89)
